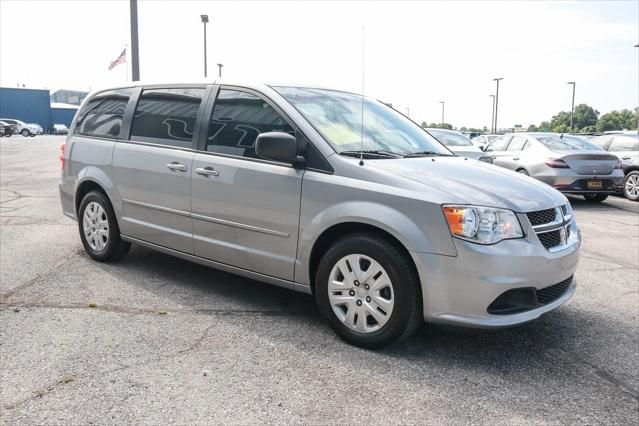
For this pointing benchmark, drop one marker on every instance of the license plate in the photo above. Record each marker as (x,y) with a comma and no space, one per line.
(595,184)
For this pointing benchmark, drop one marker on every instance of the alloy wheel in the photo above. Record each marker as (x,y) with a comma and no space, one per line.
(96,226)
(631,186)
(361,293)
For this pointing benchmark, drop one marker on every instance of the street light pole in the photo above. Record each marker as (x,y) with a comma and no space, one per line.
(492,116)
(572,109)
(219,66)
(497,100)
(135,55)
(442,102)
(205,20)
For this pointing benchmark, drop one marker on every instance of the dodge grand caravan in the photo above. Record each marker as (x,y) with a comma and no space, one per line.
(288,185)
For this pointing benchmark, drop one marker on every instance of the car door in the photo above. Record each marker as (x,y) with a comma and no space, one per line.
(152,169)
(626,148)
(245,210)
(514,152)
(497,151)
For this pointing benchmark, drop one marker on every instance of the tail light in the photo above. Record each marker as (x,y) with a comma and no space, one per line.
(63,148)
(619,165)
(557,163)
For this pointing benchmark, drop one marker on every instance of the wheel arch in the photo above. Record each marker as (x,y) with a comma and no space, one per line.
(94,178)
(337,231)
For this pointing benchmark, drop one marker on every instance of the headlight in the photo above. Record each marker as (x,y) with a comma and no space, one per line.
(483,225)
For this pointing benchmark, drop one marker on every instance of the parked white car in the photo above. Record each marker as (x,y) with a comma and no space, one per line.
(456,142)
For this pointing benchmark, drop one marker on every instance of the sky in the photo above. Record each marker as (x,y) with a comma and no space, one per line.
(416,54)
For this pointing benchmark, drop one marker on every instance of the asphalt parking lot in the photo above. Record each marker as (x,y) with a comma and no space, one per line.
(153,339)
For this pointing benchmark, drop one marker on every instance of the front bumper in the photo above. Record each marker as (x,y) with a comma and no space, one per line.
(459,290)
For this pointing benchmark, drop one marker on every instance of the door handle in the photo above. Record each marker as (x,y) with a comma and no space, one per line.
(515,158)
(177,166)
(625,158)
(207,171)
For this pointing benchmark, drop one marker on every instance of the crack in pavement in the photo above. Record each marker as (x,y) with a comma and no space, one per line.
(13,291)
(588,254)
(39,393)
(154,311)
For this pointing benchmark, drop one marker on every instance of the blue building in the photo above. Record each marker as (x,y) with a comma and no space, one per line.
(63,113)
(28,105)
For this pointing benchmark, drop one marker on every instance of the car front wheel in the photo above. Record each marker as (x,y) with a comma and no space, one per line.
(368,291)
(595,198)
(99,229)
(631,186)
(25,133)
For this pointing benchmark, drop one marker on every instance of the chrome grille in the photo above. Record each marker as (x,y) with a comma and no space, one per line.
(552,227)
(542,217)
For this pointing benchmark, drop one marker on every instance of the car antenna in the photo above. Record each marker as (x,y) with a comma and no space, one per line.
(361,149)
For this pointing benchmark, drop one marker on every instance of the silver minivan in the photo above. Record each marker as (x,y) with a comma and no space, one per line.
(320,191)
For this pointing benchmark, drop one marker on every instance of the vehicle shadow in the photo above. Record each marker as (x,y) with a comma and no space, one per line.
(208,290)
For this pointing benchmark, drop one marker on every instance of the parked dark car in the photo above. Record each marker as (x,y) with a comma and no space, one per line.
(7,129)
(626,147)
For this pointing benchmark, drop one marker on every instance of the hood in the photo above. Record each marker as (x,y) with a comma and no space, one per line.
(477,182)
(467,151)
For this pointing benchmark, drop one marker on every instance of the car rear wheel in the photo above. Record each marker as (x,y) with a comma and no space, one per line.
(99,229)
(368,291)
(25,133)
(523,172)
(631,186)
(596,198)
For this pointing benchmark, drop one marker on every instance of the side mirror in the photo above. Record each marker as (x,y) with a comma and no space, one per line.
(482,147)
(278,146)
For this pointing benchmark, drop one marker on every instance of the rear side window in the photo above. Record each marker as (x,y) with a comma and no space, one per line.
(102,115)
(517,144)
(167,116)
(624,143)
(237,119)
(499,144)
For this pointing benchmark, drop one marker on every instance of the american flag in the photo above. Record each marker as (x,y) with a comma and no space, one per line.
(121,59)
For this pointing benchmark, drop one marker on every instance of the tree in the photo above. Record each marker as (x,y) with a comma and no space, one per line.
(588,129)
(533,128)
(559,119)
(584,116)
(544,126)
(445,126)
(561,128)
(463,129)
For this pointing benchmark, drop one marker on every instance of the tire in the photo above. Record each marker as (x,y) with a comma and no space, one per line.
(631,185)
(523,172)
(32,135)
(25,133)
(100,212)
(400,300)
(595,198)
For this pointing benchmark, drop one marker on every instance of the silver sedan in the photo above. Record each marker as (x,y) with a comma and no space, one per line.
(568,163)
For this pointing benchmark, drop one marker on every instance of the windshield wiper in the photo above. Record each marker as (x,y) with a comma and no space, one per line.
(378,152)
(426,154)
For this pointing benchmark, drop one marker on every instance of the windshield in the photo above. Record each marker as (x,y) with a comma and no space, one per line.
(450,138)
(338,117)
(566,143)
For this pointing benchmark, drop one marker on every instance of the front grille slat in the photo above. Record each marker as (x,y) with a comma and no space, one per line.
(541,217)
(550,239)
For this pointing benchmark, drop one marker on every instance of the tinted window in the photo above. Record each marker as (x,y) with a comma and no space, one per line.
(624,143)
(102,115)
(237,119)
(499,144)
(167,116)
(517,144)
